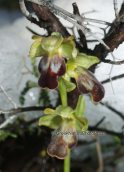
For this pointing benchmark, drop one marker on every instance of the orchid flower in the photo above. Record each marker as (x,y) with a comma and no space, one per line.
(66,121)
(52,64)
(86,81)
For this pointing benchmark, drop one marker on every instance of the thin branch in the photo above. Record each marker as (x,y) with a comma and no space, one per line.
(9,98)
(26,13)
(93,11)
(114,110)
(80,32)
(113,62)
(99,122)
(15,108)
(51,7)
(113,78)
(25,109)
(30,17)
(7,121)
(99,153)
(66,15)
(116,11)
(120,135)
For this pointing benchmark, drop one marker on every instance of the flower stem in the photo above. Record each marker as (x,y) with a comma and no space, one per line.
(63,94)
(67,162)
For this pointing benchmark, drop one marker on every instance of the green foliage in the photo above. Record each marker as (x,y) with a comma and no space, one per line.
(44,99)
(35,68)
(117,139)
(28,86)
(5,133)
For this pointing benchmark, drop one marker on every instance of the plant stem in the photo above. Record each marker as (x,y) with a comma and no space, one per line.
(63,94)
(67,162)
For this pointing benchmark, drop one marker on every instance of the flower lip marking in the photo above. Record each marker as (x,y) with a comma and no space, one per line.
(55,64)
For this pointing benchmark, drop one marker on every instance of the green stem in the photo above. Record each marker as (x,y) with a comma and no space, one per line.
(67,162)
(63,94)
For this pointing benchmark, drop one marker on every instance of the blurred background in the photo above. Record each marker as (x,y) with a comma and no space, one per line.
(23,143)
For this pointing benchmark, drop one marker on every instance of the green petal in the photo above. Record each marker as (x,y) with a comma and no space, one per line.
(81,60)
(49,111)
(69,85)
(52,42)
(37,38)
(64,111)
(80,109)
(51,121)
(36,50)
(93,60)
(81,124)
(68,50)
(71,70)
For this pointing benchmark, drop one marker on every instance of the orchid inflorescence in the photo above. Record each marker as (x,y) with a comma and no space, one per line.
(55,72)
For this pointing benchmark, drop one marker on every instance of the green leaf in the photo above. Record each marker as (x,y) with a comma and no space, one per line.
(117,139)
(64,111)
(80,109)
(32,84)
(36,50)
(68,50)
(51,43)
(51,121)
(69,85)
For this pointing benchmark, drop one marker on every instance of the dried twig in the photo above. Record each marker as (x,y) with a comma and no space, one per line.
(116,10)
(82,35)
(114,110)
(99,122)
(9,98)
(113,62)
(67,16)
(99,153)
(15,108)
(25,109)
(113,78)
(54,8)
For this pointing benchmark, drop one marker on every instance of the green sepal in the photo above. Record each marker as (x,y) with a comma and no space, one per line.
(49,111)
(52,42)
(80,109)
(37,38)
(51,121)
(36,50)
(69,85)
(81,124)
(64,111)
(68,50)
(57,34)
(93,60)
(70,38)
(81,60)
